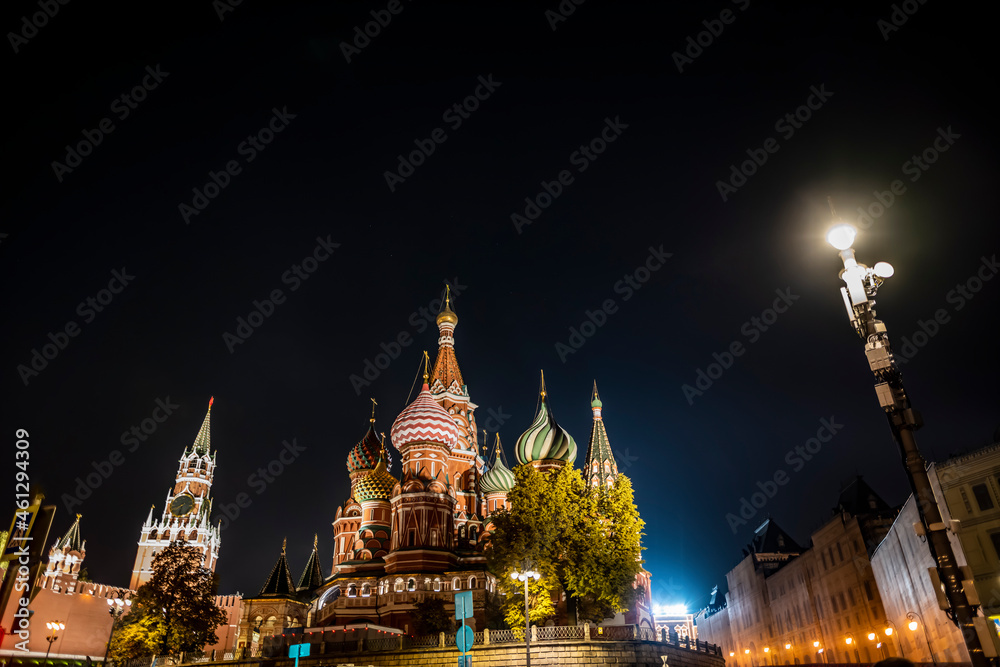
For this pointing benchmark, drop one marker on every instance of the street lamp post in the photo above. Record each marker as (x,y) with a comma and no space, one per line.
(890,631)
(117,608)
(915,620)
(862,284)
(524,575)
(54,628)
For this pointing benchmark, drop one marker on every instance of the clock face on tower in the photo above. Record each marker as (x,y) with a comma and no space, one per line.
(181,505)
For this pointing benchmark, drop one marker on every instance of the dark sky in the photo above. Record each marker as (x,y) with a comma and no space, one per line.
(679,133)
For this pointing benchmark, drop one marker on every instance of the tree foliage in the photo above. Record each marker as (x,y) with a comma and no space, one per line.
(585,542)
(174,611)
(431,617)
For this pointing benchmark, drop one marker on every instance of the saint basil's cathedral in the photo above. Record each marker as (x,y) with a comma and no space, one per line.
(396,541)
(400,541)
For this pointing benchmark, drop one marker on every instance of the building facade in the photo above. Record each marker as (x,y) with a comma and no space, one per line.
(786,604)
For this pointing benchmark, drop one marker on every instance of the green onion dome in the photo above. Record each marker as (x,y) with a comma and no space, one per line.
(545,440)
(497,479)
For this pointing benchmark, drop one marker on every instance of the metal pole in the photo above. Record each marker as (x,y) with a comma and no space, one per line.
(527,626)
(50,639)
(114,619)
(903,421)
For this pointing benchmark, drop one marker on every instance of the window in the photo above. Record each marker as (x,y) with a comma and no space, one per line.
(995,537)
(437,584)
(833,603)
(472,582)
(352,591)
(850,596)
(868,591)
(411,584)
(399,586)
(456,584)
(825,566)
(983,498)
(840,553)
(843,604)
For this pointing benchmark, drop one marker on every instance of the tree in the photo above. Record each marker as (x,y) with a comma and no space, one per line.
(175,610)
(493,611)
(585,542)
(431,617)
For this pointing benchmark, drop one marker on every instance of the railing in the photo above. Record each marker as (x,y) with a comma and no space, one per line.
(503,636)
(427,641)
(554,632)
(382,644)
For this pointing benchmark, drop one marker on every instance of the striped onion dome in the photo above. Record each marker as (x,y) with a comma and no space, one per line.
(497,479)
(365,454)
(376,485)
(545,440)
(424,420)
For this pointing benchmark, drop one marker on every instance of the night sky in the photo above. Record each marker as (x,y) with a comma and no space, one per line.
(879,98)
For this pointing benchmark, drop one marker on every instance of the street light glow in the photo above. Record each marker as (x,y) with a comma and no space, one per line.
(884,270)
(888,632)
(912,625)
(871,636)
(841,236)
(849,640)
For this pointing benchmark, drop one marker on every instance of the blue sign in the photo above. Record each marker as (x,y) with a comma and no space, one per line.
(464,638)
(463,605)
(298,651)
(465,661)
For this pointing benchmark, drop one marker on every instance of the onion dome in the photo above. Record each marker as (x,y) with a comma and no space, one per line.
(545,439)
(365,454)
(424,420)
(447,315)
(498,479)
(376,485)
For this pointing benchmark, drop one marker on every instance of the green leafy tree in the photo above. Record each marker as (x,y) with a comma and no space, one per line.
(585,542)
(175,610)
(137,638)
(431,617)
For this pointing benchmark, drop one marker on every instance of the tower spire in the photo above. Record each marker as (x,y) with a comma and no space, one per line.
(600,468)
(203,441)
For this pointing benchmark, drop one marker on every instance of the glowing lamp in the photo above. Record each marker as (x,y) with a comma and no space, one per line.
(912,625)
(747,651)
(732,653)
(849,640)
(513,575)
(871,636)
(815,644)
(884,269)
(788,646)
(888,632)
(767,650)
(841,236)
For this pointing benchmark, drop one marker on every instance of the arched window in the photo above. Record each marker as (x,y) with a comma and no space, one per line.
(461,532)
(472,534)
(473,582)
(366,590)
(399,585)
(411,584)
(152,534)
(180,535)
(456,584)
(437,583)
(193,536)
(352,591)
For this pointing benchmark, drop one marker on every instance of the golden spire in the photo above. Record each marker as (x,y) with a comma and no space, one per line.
(372,420)
(315,541)
(543,384)
(284,544)
(427,361)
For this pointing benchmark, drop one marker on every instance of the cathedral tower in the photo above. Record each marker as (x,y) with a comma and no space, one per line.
(187,511)
(65,559)
(449,389)
(600,468)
